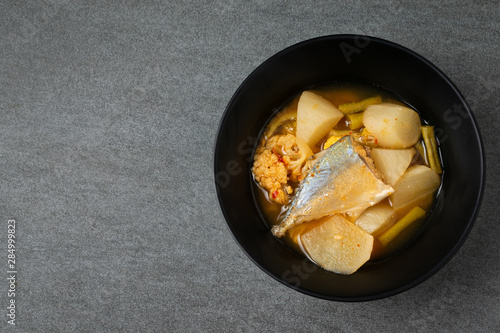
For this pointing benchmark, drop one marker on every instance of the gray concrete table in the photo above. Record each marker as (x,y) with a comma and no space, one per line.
(108,115)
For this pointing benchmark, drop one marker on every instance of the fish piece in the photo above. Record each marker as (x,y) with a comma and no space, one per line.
(344,180)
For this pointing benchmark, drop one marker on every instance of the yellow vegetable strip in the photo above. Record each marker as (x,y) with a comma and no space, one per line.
(431,147)
(355,120)
(354,107)
(413,215)
(340,132)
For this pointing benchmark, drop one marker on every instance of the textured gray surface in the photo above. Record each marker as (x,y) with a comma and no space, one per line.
(108,114)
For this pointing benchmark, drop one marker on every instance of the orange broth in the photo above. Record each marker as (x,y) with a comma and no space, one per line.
(340,93)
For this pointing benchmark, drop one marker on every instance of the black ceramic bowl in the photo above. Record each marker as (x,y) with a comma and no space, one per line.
(363,59)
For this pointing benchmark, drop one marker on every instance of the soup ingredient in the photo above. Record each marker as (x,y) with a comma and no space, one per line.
(421,151)
(355,120)
(336,135)
(270,172)
(430,144)
(376,218)
(368,139)
(331,140)
(279,161)
(316,116)
(413,215)
(306,153)
(287,115)
(334,180)
(392,125)
(416,184)
(354,107)
(343,180)
(337,245)
(392,163)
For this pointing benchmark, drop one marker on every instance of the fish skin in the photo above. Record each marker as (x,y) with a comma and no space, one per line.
(343,181)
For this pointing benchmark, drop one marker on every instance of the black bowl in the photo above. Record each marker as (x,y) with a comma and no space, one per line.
(364,59)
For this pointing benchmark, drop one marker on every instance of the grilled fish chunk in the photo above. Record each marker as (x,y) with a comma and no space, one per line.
(343,181)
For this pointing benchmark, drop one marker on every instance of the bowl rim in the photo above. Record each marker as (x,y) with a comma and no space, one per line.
(477,204)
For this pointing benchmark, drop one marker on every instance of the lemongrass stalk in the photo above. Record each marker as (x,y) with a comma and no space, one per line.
(413,215)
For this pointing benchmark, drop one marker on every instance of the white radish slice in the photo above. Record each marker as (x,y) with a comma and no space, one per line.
(376,218)
(415,188)
(392,125)
(392,163)
(338,245)
(316,116)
